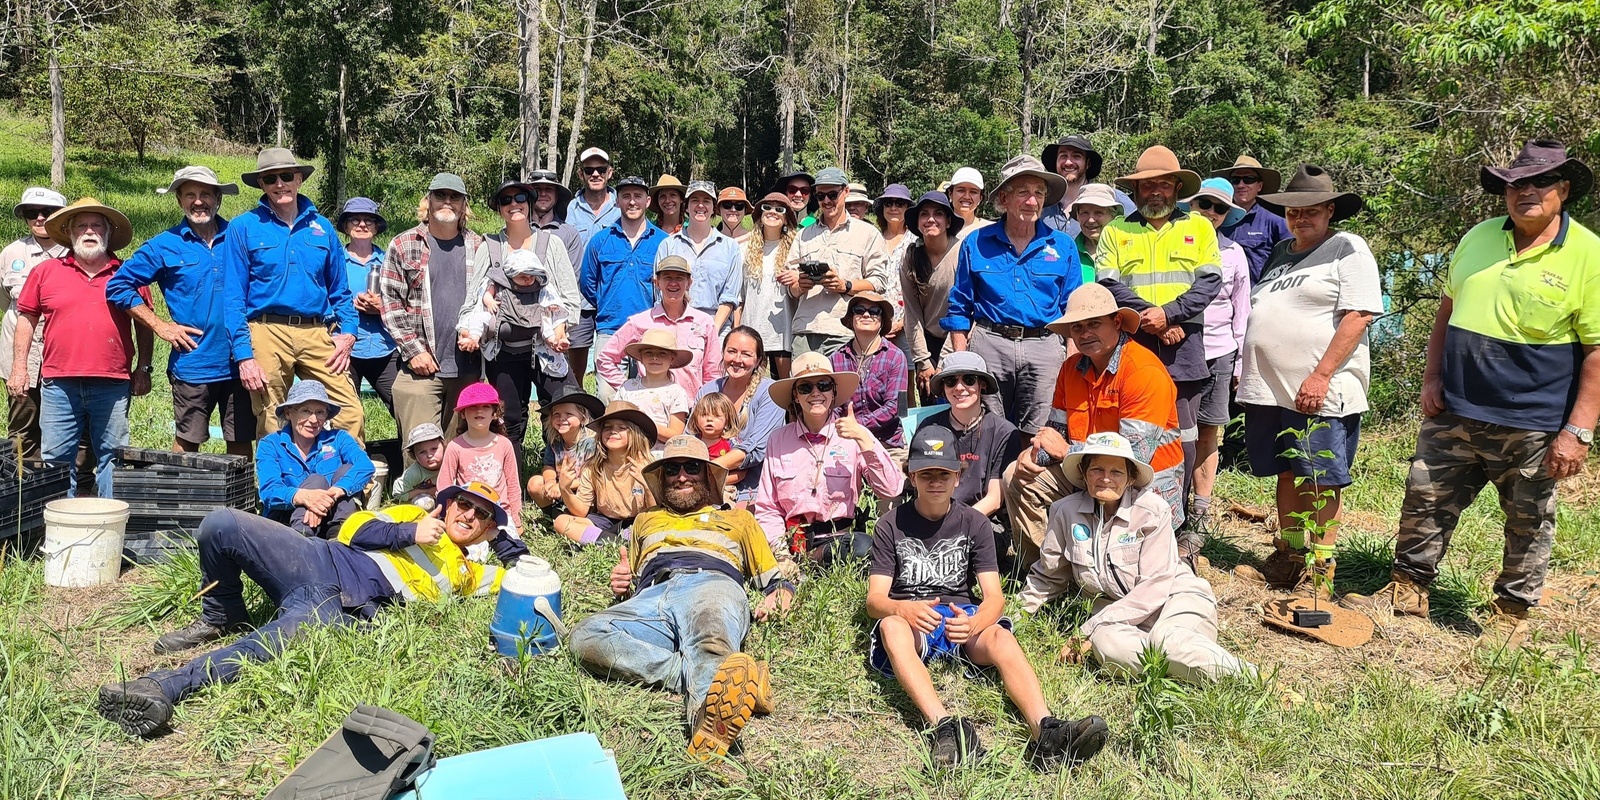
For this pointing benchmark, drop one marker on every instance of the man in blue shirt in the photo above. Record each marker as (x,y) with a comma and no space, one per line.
(717,261)
(594,209)
(1012,279)
(619,264)
(1260,229)
(187,262)
(293,314)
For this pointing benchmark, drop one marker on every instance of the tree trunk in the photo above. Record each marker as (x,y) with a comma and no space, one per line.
(786,78)
(1366,73)
(528,82)
(552,147)
(583,89)
(333,189)
(58,119)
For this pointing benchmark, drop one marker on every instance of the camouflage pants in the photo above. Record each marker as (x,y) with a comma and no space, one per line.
(1455,458)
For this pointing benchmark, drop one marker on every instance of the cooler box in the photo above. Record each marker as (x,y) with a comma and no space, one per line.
(571,767)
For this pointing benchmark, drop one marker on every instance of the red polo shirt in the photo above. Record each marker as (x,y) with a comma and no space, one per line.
(85,336)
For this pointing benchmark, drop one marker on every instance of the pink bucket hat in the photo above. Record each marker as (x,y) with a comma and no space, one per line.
(478,394)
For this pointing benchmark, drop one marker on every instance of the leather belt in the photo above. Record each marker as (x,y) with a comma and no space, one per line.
(289,319)
(1013,332)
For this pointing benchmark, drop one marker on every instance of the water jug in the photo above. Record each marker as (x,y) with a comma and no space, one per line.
(528,613)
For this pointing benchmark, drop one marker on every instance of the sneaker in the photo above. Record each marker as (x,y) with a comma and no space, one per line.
(1507,625)
(1284,569)
(138,706)
(955,742)
(728,706)
(201,632)
(1401,595)
(764,702)
(1067,741)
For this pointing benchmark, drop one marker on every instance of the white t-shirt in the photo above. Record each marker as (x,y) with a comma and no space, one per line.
(1295,309)
(766,303)
(659,403)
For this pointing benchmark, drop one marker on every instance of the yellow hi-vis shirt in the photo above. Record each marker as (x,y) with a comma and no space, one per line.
(424,571)
(1158,265)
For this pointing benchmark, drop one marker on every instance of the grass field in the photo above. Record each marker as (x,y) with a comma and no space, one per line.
(1419,712)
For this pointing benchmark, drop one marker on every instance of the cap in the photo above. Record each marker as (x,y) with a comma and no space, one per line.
(706,188)
(447,181)
(594,152)
(673,264)
(634,180)
(933,447)
(967,175)
(831,176)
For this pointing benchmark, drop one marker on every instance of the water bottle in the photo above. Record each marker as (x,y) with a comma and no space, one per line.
(527,616)
(372,280)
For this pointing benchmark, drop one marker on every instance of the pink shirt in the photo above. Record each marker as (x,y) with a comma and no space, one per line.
(1227,314)
(495,465)
(817,477)
(696,333)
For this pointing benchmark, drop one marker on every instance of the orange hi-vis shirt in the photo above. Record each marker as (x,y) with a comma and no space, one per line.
(1134,397)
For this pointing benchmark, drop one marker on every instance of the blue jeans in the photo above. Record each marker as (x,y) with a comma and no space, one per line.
(296,572)
(672,635)
(71,407)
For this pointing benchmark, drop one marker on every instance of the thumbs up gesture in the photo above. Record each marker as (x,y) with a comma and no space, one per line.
(622,573)
(958,629)
(849,428)
(430,529)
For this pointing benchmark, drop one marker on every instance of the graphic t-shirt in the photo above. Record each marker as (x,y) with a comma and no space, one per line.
(987,448)
(933,559)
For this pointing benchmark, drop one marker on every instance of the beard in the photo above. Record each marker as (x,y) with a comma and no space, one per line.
(684,499)
(445,215)
(1156,209)
(88,252)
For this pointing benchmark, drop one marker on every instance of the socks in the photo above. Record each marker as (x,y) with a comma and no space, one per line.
(1199,506)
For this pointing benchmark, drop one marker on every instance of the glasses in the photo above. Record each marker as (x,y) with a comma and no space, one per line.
(479,512)
(365,222)
(965,380)
(867,311)
(691,468)
(507,199)
(773,208)
(448,196)
(596,170)
(734,206)
(808,387)
(1246,180)
(276,178)
(829,196)
(894,203)
(798,188)
(36,213)
(1207,204)
(1544,181)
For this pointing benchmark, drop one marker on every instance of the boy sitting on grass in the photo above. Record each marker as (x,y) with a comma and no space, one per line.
(928,557)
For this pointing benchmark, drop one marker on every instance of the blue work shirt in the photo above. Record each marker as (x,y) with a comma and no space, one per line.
(192,280)
(1257,233)
(280,469)
(372,339)
(1055,217)
(717,264)
(616,275)
(587,221)
(995,285)
(280,269)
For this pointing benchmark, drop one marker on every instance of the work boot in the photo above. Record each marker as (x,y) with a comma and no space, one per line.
(1402,594)
(727,708)
(1284,568)
(1317,582)
(764,702)
(1507,625)
(138,706)
(199,633)
(1069,741)
(955,742)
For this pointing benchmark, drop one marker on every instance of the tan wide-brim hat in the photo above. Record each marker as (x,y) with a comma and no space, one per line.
(59,224)
(661,339)
(1159,162)
(811,366)
(669,182)
(871,297)
(684,447)
(629,413)
(1271,179)
(1310,186)
(1105,444)
(1026,166)
(1089,301)
(271,160)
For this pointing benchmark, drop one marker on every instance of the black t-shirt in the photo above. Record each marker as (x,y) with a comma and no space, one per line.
(933,560)
(987,450)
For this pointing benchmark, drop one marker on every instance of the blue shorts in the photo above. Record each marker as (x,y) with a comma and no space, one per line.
(930,646)
(1330,451)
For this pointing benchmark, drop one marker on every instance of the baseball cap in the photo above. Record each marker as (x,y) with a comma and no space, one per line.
(933,447)
(967,175)
(706,188)
(831,176)
(449,182)
(673,264)
(594,152)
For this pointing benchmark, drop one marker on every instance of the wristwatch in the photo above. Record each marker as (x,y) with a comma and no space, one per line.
(1585,435)
(147,369)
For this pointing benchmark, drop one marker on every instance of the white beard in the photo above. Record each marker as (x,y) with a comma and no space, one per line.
(84,252)
(445,216)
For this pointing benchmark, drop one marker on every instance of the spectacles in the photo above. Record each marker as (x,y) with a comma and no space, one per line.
(1246,180)
(773,208)
(870,311)
(797,188)
(506,199)
(731,206)
(966,380)
(366,222)
(808,387)
(35,213)
(596,170)
(448,196)
(482,514)
(276,178)
(691,468)
(830,196)
(1207,204)
(1544,181)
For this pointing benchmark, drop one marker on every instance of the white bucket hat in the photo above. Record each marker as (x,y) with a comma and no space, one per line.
(1105,444)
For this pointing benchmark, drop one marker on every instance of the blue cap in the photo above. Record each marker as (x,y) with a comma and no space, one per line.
(1217,189)
(359,205)
(305,392)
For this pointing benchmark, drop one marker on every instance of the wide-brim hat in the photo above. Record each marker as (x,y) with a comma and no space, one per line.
(198,174)
(425,432)
(1271,179)
(938,200)
(482,491)
(1092,158)
(1216,189)
(629,413)
(494,199)
(1089,301)
(544,177)
(305,392)
(1026,166)
(874,298)
(1158,162)
(668,182)
(810,366)
(732,194)
(781,199)
(1537,157)
(59,224)
(783,180)
(271,159)
(660,339)
(684,448)
(359,205)
(588,402)
(964,362)
(1312,185)
(1105,444)
(894,191)
(38,197)
(1100,195)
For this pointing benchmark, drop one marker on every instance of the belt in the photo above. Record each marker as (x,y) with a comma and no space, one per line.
(290,319)
(1013,331)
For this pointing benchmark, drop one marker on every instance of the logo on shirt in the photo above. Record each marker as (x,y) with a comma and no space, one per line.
(316,229)
(16,266)
(1127,537)
(1080,532)
(1188,240)
(1549,278)
(1050,253)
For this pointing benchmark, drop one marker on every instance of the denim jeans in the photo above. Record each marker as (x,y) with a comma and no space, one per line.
(296,572)
(672,635)
(71,407)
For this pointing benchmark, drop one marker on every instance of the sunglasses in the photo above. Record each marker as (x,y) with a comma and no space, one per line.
(36,213)
(798,188)
(731,206)
(596,170)
(671,469)
(1208,204)
(830,196)
(1544,181)
(478,512)
(773,208)
(506,199)
(365,222)
(869,311)
(966,380)
(808,387)
(276,178)
(448,196)
(1247,180)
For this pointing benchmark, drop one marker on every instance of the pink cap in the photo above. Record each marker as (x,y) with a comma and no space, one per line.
(478,394)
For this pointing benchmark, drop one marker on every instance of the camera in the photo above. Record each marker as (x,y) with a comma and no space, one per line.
(814,269)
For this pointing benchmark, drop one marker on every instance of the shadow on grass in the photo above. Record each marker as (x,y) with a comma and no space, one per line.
(1225,553)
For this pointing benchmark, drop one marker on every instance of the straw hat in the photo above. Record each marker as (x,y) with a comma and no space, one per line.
(1105,444)
(668,182)
(1312,185)
(662,339)
(629,413)
(684,448)
(1271,179)
(1026,166)
(1159,162)
(811,366)
(271,160)
(59,224)
(1089,301)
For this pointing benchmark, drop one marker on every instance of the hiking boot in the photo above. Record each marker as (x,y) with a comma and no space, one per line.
(955,742)
(1402,595)
(764,701)
(1284,568)
(728,706)
(1507,625)
(1067,741)
(138,706)
(199,633)
(1317,582)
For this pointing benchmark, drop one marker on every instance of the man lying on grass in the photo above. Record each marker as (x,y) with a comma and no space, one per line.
(928,557)
(402,553)
(688,615)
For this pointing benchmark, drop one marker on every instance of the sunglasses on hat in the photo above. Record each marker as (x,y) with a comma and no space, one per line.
(691,468)
(807,387)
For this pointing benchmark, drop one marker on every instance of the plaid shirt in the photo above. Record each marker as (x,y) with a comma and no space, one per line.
(883,388)
(403,283)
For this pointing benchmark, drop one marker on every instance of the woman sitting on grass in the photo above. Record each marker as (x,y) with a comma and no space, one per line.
(605,495)
(310,475)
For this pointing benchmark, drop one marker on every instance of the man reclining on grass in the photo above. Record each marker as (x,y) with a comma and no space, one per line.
(688,615)
(402,553)
(928,557)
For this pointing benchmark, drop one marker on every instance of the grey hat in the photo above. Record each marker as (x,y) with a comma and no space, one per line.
(426,432)
(964,362)
(198,174)
(305,392)
(933,447)
(706,188)
(38,197)
(447,181)
(831,176)
(1026,166)
(275,158)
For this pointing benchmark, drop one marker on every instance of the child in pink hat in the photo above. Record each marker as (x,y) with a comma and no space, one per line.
(481,452)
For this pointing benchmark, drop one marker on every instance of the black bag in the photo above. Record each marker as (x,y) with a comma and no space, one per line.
(374,755)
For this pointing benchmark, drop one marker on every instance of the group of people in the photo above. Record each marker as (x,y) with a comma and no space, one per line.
(1078,357)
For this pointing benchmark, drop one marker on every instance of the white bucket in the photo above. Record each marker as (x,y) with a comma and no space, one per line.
(83,539)
(378,487)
